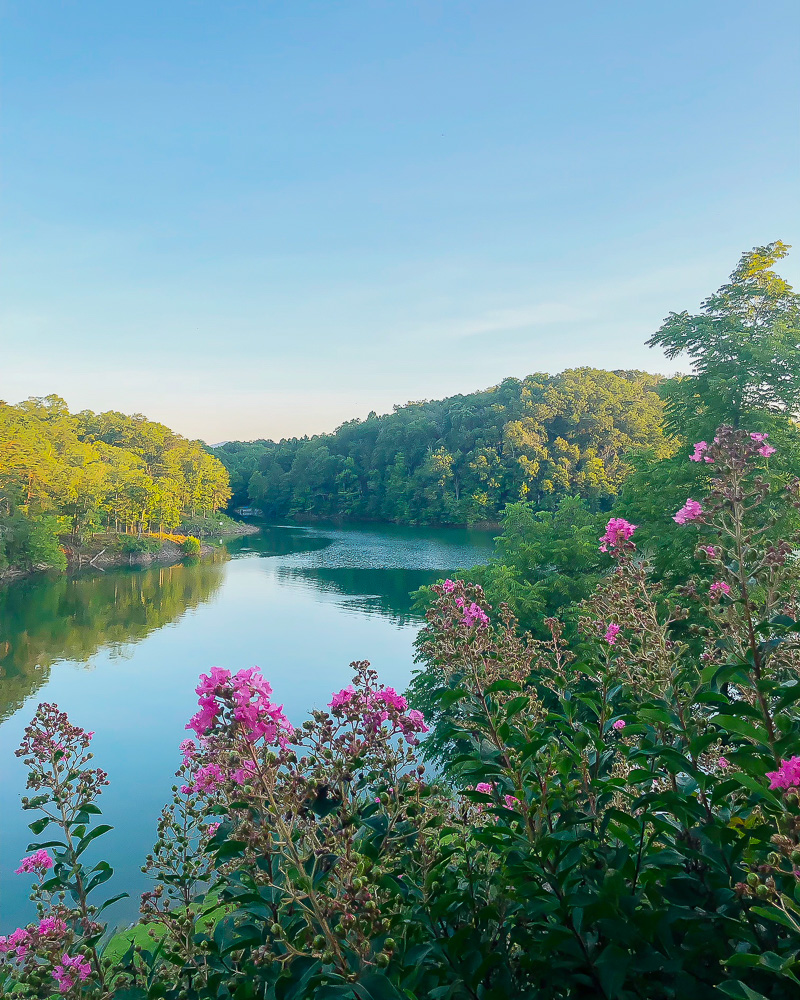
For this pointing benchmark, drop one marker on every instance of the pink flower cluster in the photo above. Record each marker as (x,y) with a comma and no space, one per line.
(71,970)
(766,449)
(710,551)
(52,927)
(376,707)
(689,512)
(787,775)
(510,801)
(699,453)
(16,944)
(619,724)
(718,588)
(248,695)
(618,531)
(448,586)
(474,615)
(611,633)
(39,862)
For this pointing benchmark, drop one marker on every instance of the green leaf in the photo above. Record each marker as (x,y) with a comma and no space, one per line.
(748,781)
(516,705)
(503,685)
(38,825)
(733,724)
(739,991)
(92,835)
(774,914)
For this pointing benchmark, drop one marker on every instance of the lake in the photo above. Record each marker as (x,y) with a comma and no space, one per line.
(121,652)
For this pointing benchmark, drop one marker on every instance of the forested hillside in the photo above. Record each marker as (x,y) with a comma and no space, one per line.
(744,349)
(76,473)
(462,459)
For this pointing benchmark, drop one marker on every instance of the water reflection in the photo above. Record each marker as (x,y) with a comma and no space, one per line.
(44,620)
(373,570)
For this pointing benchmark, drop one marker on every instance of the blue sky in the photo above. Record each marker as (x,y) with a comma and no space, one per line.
(253,218)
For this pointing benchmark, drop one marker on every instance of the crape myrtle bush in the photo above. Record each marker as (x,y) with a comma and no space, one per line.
(616,820)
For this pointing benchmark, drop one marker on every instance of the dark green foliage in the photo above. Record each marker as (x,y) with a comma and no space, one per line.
(544,562)
(461,459)
(27,543)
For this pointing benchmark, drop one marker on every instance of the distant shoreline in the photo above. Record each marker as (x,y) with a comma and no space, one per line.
(100,553)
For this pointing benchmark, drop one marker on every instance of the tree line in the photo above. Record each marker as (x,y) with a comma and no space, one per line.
(462,459)
(79,473)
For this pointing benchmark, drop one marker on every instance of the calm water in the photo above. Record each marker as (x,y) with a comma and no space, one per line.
(121,652)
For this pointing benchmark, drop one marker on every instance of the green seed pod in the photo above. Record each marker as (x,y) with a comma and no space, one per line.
(762,891)
(390,944)
(382,959)
(752,879)
(276,930)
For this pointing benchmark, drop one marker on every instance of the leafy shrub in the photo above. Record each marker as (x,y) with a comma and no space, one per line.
(136,544)
(26,543)
(615,820)
(190,546)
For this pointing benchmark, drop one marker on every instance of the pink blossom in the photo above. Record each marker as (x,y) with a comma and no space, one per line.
(618,531)
(203,721)
(460,602)
(249,695)
(448,586)
(723,762)
(718,588)
(414,722)
(212,829)
(511,801)
(52,926)
(611,633)
(710,551)
(70,971)
(188,749)
(342,697)
(208,778)
(766,450)
(474,614)
(619,724)
(39,862)
(390,697)
(787,775)
(758,437)
(244,773)
(484,787)
(17,943)
(211,683)
(690,510)
(699,449)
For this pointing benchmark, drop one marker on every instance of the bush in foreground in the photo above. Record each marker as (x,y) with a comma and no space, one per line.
(623,823)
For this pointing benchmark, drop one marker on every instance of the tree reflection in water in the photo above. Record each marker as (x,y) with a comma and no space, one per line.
(46,619)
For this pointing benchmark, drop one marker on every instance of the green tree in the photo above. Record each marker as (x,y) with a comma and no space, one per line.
(744,347)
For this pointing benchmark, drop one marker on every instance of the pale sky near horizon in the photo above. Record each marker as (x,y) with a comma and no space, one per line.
(259,218)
